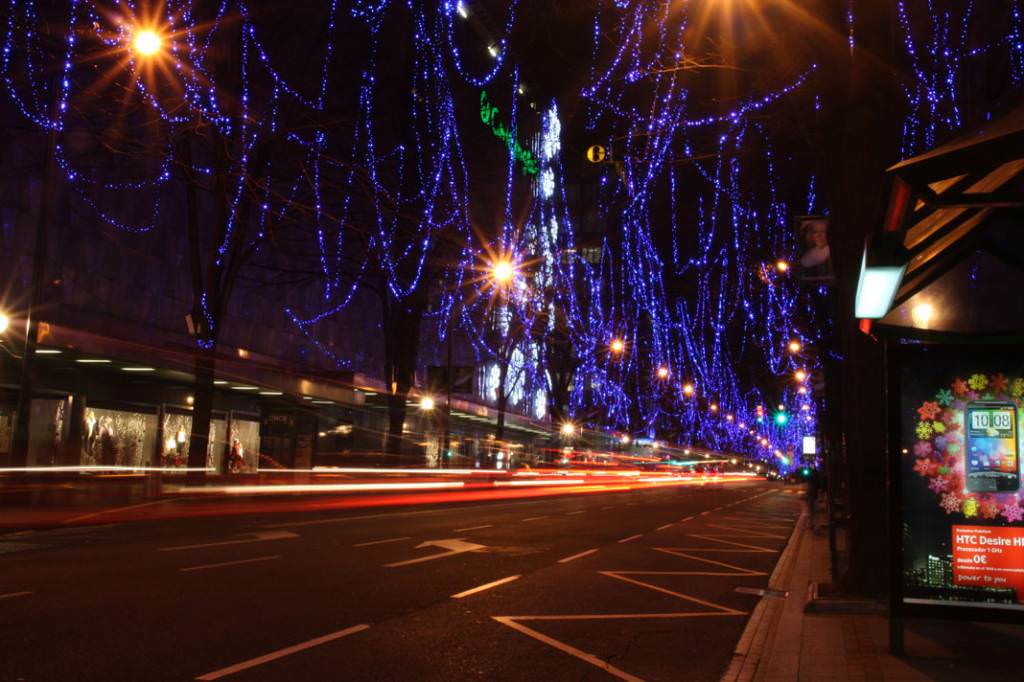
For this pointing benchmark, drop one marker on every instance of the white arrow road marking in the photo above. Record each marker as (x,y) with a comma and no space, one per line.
(261,536)
(453,545)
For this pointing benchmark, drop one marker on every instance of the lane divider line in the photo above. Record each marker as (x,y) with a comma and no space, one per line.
(534,518)
(582,511)
(260,536)
(381,542)
(230,563)
(463,530)
(281,653)
(667,525)
(574,557)
(486,586)
(631,537)
(11,595)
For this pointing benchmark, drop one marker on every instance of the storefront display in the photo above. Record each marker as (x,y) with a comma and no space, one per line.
(244,453)
(118,437)
(962,502)
(177,429)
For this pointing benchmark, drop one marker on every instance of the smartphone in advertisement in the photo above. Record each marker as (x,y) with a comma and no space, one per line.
(992,460)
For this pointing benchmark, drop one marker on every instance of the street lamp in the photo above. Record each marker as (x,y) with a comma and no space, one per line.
(146,42)
(781,266)
(800,375)
(502,271)
(795,346)
(568,429)
(617,346)
(663,372)
(5,322)
(426,403)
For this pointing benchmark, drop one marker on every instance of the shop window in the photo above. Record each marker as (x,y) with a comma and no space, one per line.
(118,437)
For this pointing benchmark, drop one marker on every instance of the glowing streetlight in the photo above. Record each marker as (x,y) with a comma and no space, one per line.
(795,346)
(688,390)
(5,322)
(568,429)
(728,417)
(502,271)
(663,372)
(782,266)
(146,42)
(714,407)
(426,403)
(617,346)
(922,314)
(624,439)
(802,390)
(805,407)
(800,375)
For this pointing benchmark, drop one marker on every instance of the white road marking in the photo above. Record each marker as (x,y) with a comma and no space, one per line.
(576,556)
(281,653)
(230,563)
(688,518)
(464,530)
(453,545)
(381,542)
(667,525)
(11,595)
(534,518)
(83,517)
(609,507)
(260,536)
(572,651)
(576,512)
(631,537)
(486,586)
(705,513)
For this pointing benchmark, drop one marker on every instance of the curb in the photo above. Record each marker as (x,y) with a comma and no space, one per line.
(750,649)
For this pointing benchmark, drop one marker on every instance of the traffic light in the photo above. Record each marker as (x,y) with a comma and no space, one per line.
(781,418)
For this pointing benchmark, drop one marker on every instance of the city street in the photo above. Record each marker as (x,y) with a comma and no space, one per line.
(648,584)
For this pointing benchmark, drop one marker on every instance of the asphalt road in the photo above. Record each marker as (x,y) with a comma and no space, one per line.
(640,584)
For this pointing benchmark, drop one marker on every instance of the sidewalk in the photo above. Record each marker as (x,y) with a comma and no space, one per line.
(784,643)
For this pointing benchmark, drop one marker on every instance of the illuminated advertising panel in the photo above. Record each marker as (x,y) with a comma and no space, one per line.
(962,507)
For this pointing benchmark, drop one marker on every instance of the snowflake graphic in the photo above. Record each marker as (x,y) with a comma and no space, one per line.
(952,502)
(959,387)
(938,427)
(998,383)
(922,448)
(1013,512)
(928,411)
(1017,388)
(924,430)
(938,484)
(944,397)
(989,508)
(979,382)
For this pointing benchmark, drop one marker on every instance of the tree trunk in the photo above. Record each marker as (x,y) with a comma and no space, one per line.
(402,321)
(202,415)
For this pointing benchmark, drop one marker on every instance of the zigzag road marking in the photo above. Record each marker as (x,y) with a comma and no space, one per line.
(753,530)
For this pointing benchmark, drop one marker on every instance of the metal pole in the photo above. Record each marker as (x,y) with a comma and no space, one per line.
(448,393)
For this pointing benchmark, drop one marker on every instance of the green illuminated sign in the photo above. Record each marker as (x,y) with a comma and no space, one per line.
(489,116)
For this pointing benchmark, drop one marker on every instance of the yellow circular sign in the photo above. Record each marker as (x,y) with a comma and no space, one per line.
(595,154)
